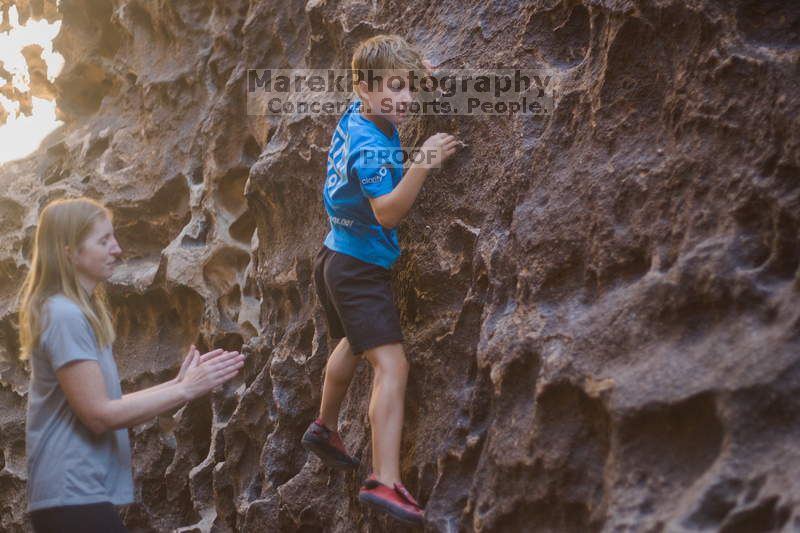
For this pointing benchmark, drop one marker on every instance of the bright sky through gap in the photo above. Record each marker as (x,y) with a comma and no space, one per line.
(20,136)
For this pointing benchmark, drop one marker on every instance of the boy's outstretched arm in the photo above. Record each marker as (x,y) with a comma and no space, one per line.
(391,208)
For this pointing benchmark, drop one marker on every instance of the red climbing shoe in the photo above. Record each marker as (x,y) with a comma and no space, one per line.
(328,446)
(396,501)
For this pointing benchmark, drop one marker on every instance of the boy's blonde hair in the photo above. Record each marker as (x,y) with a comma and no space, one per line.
(385,52)
(63,224)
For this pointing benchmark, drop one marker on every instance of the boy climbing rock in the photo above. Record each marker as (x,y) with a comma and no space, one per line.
(365,201)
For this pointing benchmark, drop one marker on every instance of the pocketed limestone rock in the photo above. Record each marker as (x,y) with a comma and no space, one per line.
(600,305)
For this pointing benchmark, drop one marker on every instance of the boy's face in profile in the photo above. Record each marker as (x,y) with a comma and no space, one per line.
(390,97)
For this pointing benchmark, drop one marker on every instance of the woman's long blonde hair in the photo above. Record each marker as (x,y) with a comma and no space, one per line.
(63,224)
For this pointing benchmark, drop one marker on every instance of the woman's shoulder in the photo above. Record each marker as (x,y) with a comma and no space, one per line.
(61,306)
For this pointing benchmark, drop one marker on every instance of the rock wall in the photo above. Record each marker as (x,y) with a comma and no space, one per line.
(600,307)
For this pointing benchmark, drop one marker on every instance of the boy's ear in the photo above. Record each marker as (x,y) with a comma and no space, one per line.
(363,93)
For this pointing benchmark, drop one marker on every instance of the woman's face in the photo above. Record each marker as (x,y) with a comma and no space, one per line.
(97,255)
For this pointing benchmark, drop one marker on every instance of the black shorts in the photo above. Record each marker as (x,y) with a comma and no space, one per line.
(357,300)
(89,518)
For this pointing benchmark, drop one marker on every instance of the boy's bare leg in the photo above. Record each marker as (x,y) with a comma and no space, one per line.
(338,374)
(386,409)
(372,396)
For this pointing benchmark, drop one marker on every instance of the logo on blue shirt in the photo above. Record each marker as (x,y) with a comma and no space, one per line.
(377,178)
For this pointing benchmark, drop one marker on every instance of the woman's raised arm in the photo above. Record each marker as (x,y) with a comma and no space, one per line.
(85,390)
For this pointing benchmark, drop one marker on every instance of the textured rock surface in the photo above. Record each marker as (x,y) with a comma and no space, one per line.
(601,307)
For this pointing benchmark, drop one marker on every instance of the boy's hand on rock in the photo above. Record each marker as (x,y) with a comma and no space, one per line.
(444,143)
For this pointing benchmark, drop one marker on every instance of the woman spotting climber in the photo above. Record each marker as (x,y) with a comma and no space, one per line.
(78,453)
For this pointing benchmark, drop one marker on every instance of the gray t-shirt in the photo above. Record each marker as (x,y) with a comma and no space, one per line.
(67,463)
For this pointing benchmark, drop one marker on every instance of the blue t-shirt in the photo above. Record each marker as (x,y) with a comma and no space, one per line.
(362,164)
